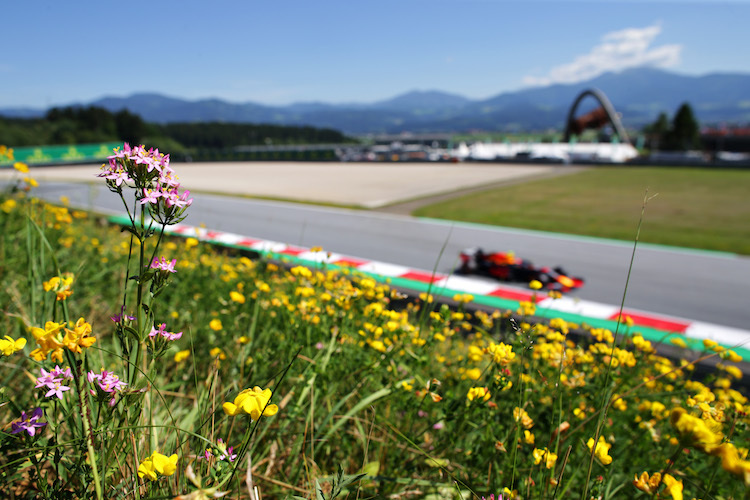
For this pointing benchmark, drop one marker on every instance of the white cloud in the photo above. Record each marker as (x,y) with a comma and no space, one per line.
(619,50)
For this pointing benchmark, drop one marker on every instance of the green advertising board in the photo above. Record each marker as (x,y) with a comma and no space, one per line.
(54,155)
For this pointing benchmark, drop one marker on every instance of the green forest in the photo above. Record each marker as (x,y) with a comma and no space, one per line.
(205,140)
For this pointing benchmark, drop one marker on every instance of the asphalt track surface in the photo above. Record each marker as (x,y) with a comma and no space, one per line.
(702,286)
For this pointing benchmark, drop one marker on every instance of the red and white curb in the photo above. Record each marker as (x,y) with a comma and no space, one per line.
(451,284)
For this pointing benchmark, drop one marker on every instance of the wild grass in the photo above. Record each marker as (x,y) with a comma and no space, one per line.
(361,392)
(704,208)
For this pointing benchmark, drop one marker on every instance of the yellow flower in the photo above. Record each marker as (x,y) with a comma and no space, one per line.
(165,466)
(79,337)
(709,344)
(674,487)
(734,371)
(501,353)
(559,324)
(157,465)
(549,458)
(678,342)
(301,271)
(473,373)
(146,469)
(48,339)
(217,352)
(731,356)
(619,403)
(602,450)
(602,335)
(478,393)
(237,297)
(254,402)
(9,346)
(191,242)
(463,298)
(526,308)
(6,152)
(642,344)
(215,325)
(8,205)
(377,345)
(732,462)
(520,415)
(21,167)
(695,430)
(647,484)
(60,285)
(182,356)
(528,437)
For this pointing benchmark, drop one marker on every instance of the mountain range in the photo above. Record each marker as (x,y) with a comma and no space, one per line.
(639,95)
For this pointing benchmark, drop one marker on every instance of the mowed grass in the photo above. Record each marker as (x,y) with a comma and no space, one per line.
(706,208)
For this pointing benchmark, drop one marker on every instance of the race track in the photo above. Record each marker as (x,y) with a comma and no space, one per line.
(704,286)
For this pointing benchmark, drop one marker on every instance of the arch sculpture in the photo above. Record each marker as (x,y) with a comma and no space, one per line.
(597,118)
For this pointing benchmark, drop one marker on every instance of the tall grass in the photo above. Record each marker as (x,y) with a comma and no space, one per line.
(360,392)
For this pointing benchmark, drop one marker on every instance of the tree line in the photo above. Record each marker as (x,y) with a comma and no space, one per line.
(80,125)
(680,134)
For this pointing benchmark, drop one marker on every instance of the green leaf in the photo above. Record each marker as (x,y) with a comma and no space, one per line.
(371,468)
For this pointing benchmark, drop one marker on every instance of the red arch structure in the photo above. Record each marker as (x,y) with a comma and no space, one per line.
(595,119)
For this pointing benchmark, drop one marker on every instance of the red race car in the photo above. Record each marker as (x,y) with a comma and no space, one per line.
(506,266)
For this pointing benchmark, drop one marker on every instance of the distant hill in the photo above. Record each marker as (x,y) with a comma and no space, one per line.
(638,94)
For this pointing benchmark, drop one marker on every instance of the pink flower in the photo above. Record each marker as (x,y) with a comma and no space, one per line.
(172,336)
(185,200)
(164,265)
(53,380)
(150,196)
(56,390)
(154,332)
(162,331)
(106,381)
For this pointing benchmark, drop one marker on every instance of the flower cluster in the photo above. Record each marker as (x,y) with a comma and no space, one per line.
(704,433)
(651,484)
(164,265)
(478,393)
(106,384)
(149,173)
(51,340)
(53,381)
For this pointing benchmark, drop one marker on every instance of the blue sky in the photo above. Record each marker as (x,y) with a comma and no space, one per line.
(284,51)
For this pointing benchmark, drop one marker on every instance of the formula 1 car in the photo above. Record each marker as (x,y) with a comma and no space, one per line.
(505,266)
